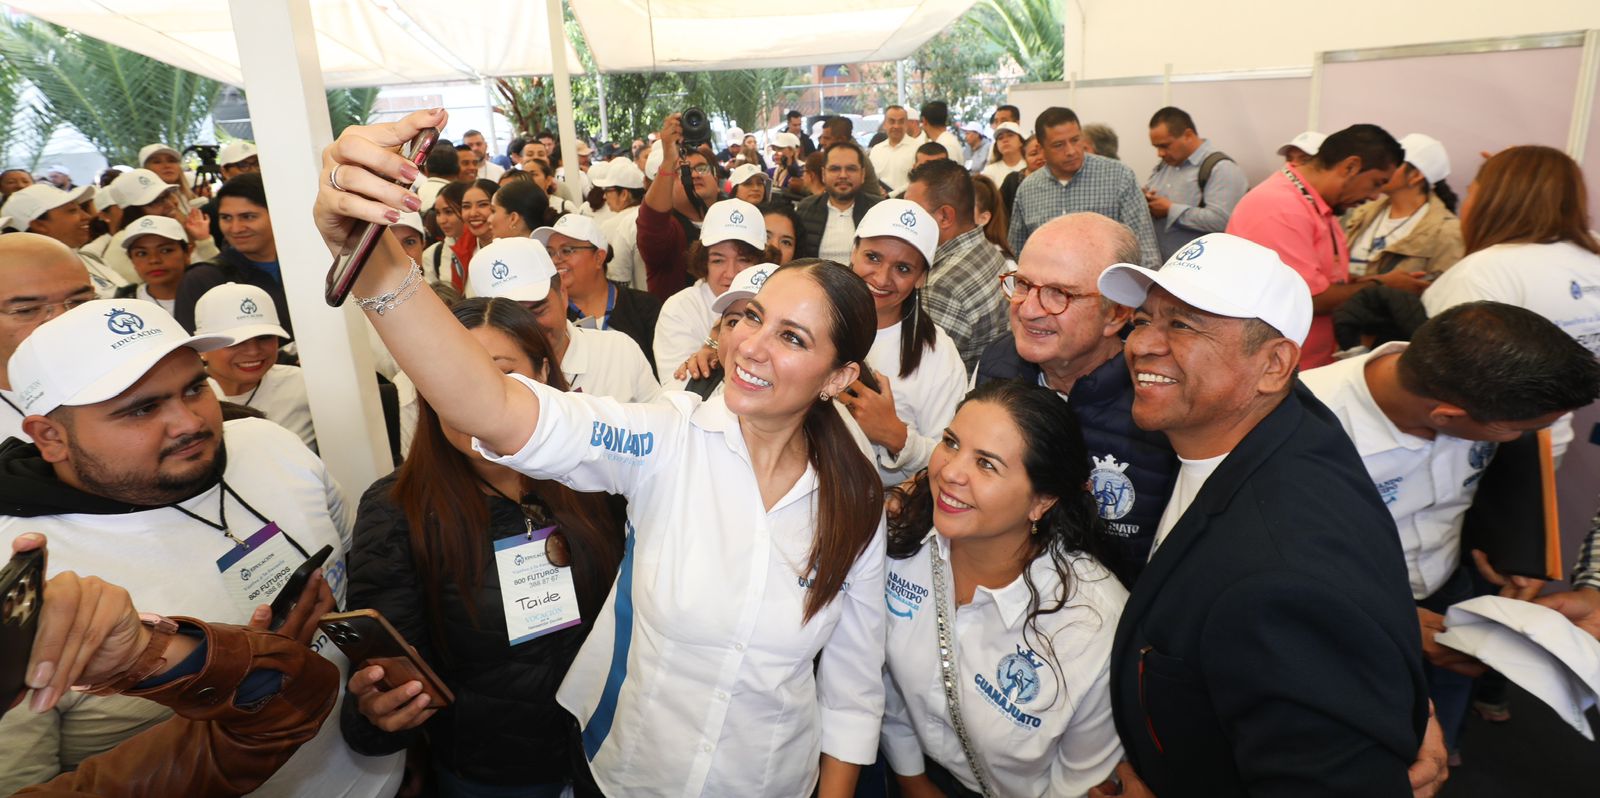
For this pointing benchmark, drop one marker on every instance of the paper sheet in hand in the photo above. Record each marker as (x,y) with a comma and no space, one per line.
(1535,647)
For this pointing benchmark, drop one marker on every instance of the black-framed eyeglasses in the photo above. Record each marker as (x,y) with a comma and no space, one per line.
(562,253)
(34,312)
(1054,299)
(702,169)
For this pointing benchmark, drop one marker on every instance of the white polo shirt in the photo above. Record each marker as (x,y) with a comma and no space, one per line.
(625,266)
(607,363)
(281,397)
(925,400)
(893,163)
(168,563)
(838,234)
(1040,731)
(698,678)
(1427,485)
(681,329)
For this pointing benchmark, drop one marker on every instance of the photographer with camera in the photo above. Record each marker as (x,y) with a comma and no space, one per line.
(683,185)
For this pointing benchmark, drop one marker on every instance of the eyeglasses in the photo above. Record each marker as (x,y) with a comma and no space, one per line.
(562,253)
(33,312)
(702,169)
(1053,299)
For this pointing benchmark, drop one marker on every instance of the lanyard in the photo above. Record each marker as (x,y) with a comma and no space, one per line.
(221,525)
(12,405)
(1333,238)
(527,515)
(604,322)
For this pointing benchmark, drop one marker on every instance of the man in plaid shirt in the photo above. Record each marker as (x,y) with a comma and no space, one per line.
(1074,181)
(1581,604)
(963,290)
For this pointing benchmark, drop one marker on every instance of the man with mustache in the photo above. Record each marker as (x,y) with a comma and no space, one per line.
(135,478)
(828,220)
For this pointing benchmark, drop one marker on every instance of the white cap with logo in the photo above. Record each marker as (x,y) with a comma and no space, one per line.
(514,268)
(599,174)
(164,226)
(905,220)
(745,285)
(95,352)
(151,149)
(1308,142)
(622,172)
(734,220)
(238,310)
(25,205)
(577,226)
(746,171)
(236,151)
(1224,275)
(138,187)
(1428,155)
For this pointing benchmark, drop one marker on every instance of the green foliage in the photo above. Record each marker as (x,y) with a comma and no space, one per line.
(348,107)
(119,100)
(744,97)
(1027,30)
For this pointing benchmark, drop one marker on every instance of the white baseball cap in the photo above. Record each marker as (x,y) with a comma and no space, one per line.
(905,220)
(736,135)
(653,161)
(237,310)
(736,220)
(1308,142)
(744,172)
(138,187)
(574,225)
(599,174)
(1225,275)
(745,285)
(1009,127)
(785,139)
(164,226)
(1428,155)
(624,173)
(413,220)
(25,205)
(95,352)
(514,268)
(236,151)
(151,149)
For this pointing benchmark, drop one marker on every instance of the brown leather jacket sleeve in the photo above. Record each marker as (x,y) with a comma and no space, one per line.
(213,748)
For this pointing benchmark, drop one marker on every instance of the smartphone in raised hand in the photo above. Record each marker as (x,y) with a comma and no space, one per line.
(358,247)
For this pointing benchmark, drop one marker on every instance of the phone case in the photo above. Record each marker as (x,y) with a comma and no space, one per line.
(348,263)
(21,597)
(367,638)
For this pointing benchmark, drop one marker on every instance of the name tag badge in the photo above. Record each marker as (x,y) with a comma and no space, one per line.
(255,572)
(539,598)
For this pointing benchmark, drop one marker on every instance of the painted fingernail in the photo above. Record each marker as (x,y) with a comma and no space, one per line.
(392,216)
(411,203)
(41,674)
(42,699)
(410,172)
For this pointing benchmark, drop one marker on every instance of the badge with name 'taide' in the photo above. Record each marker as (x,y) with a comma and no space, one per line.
(539,598)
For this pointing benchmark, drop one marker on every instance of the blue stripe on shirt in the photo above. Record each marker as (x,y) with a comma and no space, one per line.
(599,726)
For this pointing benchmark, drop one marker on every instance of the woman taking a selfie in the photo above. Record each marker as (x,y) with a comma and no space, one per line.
(754,519)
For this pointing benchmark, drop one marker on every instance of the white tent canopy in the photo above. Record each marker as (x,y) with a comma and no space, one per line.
(359,42)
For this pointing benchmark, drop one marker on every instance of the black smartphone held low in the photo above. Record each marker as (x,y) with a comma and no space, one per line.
(21,598)
(289,596)
(367,638)
(363,239)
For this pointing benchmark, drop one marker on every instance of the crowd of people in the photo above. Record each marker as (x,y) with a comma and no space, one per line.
(964,463)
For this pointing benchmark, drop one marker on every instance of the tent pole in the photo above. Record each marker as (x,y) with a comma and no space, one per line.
(494,133)
(558,60)
(289,113)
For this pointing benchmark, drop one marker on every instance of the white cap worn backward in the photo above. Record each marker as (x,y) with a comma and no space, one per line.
(745,285)
(95,352)
(164,226)
(236,151)
(576,226)
(1224,275)
(25,205)
(138,187)
(734,220)
(1428,155)
(905,220)
(514,268)
(238,310)
(1308,142)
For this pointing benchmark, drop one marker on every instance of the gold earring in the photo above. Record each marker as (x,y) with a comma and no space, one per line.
(1035,527)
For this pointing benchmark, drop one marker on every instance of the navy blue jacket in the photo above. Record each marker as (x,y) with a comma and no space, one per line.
(1133,470)
(1271,646)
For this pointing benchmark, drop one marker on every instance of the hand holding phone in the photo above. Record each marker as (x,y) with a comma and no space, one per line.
(294,591)
(367,638)
(21,598)
(363,238)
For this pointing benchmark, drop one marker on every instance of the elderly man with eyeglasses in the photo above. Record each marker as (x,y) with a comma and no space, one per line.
(1067,337)
(40,279)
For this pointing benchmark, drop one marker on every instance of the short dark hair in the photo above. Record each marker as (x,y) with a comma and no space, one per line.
(845,145)
(947,183)
(1177,120)
(469,134)
(246,186)
(525,199)
(1051,117)
(515,147)
(839,126)
(1372,144)
(1499,362)
(792,114)
(1015,111)
(932,148)
(443,162)
(936,113)
(463,148)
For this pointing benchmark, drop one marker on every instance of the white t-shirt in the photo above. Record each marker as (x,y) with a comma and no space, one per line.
(893,163)
(699,675)
(925,401)
(838,234)
(607,363)
(440,253)
(1192,475)
(998,170)
(952,145)
(1042,730)
(626,266)
(168,563)
(143,292)
(1426,484)
(489,170)
(681,329)
(1560,282)
(281,396)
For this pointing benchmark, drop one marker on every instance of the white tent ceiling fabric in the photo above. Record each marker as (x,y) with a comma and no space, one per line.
(394,42)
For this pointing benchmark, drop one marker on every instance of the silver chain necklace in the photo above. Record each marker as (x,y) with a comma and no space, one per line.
(950,674)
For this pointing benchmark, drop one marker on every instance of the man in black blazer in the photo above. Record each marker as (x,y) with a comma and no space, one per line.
(842,174)
(1271,647)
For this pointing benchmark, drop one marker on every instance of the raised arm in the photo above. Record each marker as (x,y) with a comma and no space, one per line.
(448,366)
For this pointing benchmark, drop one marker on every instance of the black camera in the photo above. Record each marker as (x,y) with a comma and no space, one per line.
(696,128)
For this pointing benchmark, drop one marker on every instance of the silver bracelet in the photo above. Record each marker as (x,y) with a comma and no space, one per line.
(383,303)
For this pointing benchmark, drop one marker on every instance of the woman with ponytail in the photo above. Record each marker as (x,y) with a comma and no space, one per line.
(740,650)
(918,363)
(996,543)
